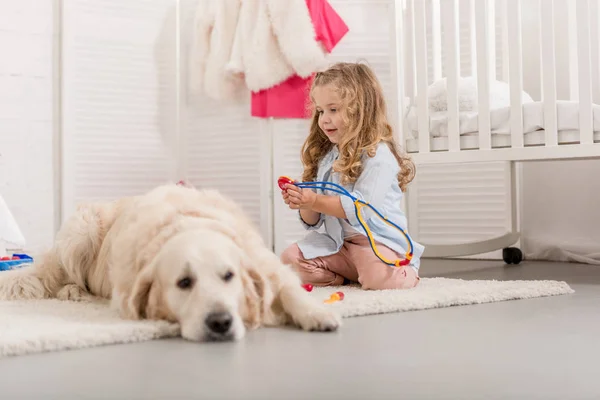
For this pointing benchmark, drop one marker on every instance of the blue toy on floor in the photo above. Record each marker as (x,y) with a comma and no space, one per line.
(21,261)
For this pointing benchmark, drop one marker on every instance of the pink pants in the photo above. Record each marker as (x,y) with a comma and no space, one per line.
(356,262)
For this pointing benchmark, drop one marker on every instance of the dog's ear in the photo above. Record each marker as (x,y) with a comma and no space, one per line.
(255,299)
(138,298)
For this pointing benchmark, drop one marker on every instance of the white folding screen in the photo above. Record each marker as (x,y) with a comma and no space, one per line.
(222,145)
(118,98)
(128,123)
(366,41)
(288,137)
(461,203)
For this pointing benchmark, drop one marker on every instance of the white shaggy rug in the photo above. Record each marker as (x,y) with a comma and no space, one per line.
(37,326)
(51,325)
(438,293)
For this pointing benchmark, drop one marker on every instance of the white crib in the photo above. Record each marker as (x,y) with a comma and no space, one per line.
(549,129)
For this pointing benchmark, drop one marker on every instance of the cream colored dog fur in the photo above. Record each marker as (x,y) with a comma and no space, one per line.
(176,253)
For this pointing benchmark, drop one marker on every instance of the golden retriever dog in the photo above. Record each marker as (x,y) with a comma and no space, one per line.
(178,254)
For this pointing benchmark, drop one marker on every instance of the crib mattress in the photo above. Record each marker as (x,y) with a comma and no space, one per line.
(533,126)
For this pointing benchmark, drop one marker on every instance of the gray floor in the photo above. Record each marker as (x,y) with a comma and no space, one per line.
(546,348)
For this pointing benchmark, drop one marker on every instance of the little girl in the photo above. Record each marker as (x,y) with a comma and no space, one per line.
(351,143)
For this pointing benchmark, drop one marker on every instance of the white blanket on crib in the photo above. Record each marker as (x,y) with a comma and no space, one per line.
(533,119)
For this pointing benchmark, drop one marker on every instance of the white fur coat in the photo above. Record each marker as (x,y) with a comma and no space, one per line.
(212,41)
(259,43)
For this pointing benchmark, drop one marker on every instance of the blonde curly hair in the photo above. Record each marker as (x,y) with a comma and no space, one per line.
(366,124)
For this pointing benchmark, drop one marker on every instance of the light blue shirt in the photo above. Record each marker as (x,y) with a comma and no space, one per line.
(377,185)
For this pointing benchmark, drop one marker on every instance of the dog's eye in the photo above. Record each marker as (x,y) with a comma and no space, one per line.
(228,276)
(185,283)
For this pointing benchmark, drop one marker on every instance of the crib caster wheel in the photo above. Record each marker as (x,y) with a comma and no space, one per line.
(512,255)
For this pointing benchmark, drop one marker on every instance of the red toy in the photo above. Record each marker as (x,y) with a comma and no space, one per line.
(284,180)
(308,287)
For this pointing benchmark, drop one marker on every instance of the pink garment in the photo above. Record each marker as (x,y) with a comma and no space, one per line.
(289,99)
(356,262)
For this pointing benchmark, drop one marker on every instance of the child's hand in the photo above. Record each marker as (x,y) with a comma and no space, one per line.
(299,198)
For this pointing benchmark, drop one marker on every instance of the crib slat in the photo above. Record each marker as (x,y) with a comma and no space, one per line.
(409,42)
(504,51)
(483,72)
(586,134)
(548,71)
(472,38)
(491,28)
(572,41)
(595,49)
(513,21)
(451,36)
(399,57)
(421,56)
(436,40)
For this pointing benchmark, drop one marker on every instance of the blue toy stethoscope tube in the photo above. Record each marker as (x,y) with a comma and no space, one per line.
(343,191)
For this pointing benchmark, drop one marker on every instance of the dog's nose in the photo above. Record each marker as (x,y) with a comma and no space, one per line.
(219,322)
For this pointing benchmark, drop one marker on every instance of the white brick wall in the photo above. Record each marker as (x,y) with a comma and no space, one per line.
(26,123)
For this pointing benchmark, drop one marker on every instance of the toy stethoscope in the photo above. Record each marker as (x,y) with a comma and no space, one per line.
(358,205)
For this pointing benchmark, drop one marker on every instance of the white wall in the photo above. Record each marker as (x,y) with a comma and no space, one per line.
(26,123)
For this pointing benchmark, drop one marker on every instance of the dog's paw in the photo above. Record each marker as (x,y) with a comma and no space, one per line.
(73,292)
(22,288)
(318,319)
